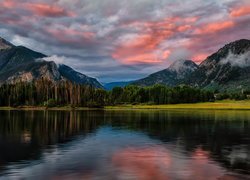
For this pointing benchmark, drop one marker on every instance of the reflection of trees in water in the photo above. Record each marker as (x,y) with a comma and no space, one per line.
(225,134)
(24,134)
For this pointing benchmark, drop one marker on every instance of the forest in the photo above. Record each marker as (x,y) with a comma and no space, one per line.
(49,94)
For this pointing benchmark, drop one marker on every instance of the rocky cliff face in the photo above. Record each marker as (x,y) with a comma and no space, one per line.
(79,78)
(4,44)
(18,63)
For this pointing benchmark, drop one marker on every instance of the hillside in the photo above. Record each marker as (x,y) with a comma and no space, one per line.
(18,63)
(228,69)
(174,75)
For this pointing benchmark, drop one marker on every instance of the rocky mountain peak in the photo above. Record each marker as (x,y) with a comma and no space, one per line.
(238,47)
(183,66)
(172,76)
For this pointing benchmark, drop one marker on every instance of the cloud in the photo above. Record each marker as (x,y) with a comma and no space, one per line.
(144,46)
(242,11)
(179,54)
(38,9)
(47,10)
(215,27)
(120,40)
(239,60)
(56,59)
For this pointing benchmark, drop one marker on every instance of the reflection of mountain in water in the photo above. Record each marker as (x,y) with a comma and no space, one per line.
(25,135)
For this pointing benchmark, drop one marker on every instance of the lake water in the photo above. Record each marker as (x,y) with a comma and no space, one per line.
(138,144)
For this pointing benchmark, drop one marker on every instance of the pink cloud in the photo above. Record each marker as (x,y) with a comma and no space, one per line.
(38,9)
(214,27)
(199,57)
(144,48)
(241,11)
(47,10)
(8,4)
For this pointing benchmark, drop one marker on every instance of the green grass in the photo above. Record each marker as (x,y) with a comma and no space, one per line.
(226,104)
(218,105)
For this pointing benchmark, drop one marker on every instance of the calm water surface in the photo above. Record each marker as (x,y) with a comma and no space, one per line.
(142,145)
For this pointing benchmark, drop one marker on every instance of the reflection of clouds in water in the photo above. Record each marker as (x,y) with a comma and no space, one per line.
(83,158)
(120,154)
(161,163)
(143,163)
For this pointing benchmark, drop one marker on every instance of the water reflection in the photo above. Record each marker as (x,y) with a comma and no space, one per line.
(125,144)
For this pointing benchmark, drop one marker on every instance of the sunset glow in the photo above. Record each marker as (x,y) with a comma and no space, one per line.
(137,37)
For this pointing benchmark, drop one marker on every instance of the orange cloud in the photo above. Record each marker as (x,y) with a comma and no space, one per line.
(142,48)
(47,10)
(184,28)
(137,59)
(242,11)
(214,27)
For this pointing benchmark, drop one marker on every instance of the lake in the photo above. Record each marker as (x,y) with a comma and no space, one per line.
(123,144)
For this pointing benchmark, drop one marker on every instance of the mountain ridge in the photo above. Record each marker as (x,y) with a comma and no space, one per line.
(228,69)
(171,76)
(220,70)
(18,63)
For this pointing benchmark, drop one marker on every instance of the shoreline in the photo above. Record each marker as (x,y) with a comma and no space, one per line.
(218,105)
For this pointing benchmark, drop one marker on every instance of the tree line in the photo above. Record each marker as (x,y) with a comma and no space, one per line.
(46,93)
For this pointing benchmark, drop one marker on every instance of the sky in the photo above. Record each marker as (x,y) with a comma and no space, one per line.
(120,40)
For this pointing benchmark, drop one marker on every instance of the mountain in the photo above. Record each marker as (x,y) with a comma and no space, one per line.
(5,44)
(111,85)
(18,63)
(79,78)
(174,75)
(226,70)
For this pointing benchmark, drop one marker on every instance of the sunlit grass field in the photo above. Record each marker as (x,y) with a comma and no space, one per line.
(225,104)
(218,105)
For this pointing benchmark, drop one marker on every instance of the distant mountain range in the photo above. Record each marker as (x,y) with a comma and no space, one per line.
(111,85)
(18,63)
(226,70)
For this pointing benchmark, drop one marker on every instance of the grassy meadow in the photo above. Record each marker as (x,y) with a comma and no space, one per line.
(225,104)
